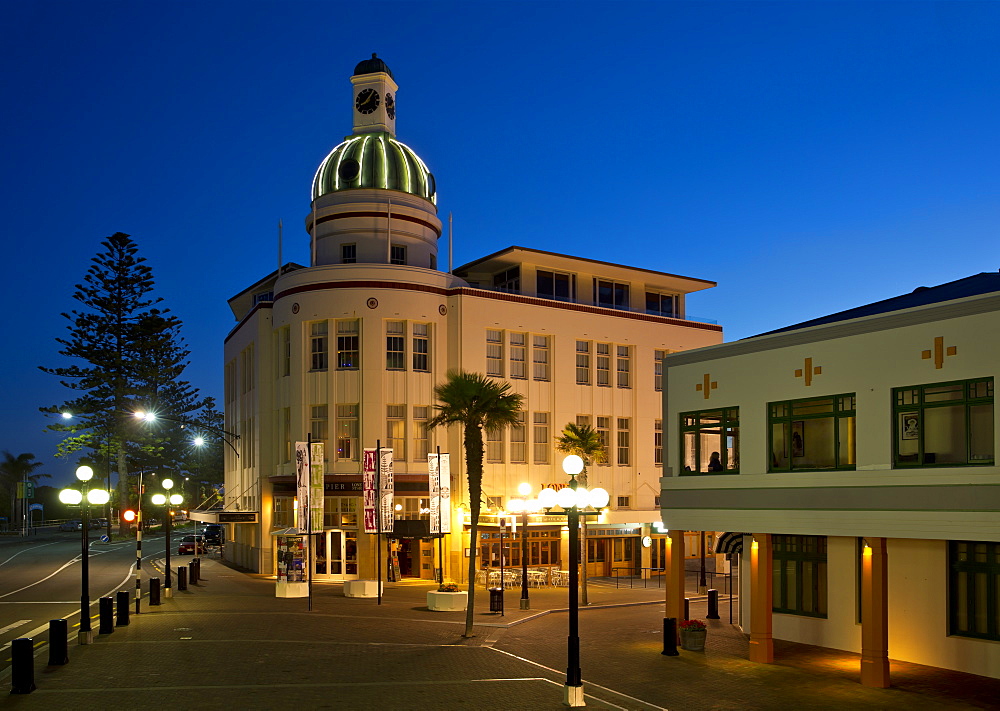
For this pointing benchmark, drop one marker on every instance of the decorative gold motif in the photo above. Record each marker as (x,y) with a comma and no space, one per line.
(939,352)
(706,385)
(809,371)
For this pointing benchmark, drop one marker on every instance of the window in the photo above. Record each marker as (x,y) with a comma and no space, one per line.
(347,433)
(799,575)
(623,502)
(434,261)
(604,432)
(624,441)
(509,280)
(624,367)
(974,589)
(340,512)
(494,353)
(710,432)
(611,295)
(583,420)
(420,448)
(661,304)
(395,431)
(518,355)
(813,433)
(285,351)
(282,512)
(658,443)
(421,347)
(494,502)
(395,345)
(541,438)
(947,424)
(347,345)
(583,362)
(412,508)
(604,364)
(319,423)
(540,357)
(658,357)
(554,285)
(286,435)
(318,343)
(348,253)
(494,446)
(518,451)
(397,254)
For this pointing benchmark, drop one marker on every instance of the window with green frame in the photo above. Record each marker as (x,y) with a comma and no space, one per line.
(710,432)
(799,575)
(943,424)
(812,433)
(974,589)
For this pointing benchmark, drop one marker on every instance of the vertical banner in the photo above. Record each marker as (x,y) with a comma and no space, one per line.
(316,486)
(386,500)
(433,489)
(444,484)
(301,485)
(368,479)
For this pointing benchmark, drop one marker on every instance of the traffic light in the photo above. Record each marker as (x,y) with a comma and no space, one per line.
(29,489)
(128,515)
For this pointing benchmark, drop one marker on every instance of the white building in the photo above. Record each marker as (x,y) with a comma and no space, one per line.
(858,456)
(349,350)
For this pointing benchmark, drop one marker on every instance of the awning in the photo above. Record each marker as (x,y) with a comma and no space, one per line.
(730,543)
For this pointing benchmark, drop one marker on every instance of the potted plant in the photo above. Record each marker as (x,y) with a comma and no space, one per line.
(693,633)
(449,587)
(448,596)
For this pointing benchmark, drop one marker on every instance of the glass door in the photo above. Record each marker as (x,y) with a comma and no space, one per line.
(337,555)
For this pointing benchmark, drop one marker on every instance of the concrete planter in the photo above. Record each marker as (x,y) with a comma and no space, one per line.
(360,588)
(447,601)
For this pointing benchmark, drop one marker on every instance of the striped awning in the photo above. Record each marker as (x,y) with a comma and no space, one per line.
(729,543)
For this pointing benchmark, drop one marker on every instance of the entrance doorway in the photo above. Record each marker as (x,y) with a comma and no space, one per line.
(336,555)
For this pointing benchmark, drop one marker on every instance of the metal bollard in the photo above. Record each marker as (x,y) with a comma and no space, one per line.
(193,572)
(182,578)
(154,591)
(687,608)
(22,675)
(670,637)
(122,602)
(107,615)
(58,642)
(713,605)
(198,563)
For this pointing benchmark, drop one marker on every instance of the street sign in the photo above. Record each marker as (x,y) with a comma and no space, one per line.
(105,538)
(35,507)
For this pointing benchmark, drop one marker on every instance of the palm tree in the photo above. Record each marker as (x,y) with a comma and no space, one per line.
(14,469)
(585,442)
(476,402)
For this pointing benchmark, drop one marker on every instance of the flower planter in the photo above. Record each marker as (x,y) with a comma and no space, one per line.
(693,640)
(447,601)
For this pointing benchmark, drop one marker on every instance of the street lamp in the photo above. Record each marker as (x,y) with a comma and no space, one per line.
(167,500)
(524,505)
(85,499)
(574,501)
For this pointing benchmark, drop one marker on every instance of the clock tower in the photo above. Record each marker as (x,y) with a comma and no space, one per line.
(374,102)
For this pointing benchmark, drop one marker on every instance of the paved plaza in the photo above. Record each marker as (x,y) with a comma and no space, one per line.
(228,643)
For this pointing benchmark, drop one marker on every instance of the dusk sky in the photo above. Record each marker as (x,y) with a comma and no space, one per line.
(807,156)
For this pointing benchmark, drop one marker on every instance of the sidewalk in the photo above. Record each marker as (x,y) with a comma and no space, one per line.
(228,643)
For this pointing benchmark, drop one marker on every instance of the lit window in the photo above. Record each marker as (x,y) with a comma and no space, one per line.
(812,433)
(347,432)
(319,427)
(494,353)
(711,441)
(395,423)
(540,357)
(948,424)
(420,446)
(494,446)
(604,364)
(583,362)
(395,345)
(518,452)
(347,345)
(604,432)
(541,438)
(518,355)
(624,364)
(624,442)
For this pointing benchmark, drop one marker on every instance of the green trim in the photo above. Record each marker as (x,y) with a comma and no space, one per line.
(810,569)
(383,163)
(982,576)
(842,409)
(722,422)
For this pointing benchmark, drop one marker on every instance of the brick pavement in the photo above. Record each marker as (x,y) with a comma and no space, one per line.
(229,643)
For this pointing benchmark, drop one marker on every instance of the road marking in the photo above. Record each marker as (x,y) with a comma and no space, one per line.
(17,624)
(25,551)
(64,566)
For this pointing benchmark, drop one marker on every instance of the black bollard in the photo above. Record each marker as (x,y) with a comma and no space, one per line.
(687,608)
(122,607)
(182,578)
(198,564)
(58,642)
(670,637)
(154,591)
(193,572)
(107,615)
(713,605)
(22,666)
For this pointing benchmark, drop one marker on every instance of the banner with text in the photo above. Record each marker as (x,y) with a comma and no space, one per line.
(302,480)
(374,500)
(439,483)
(316,485)
(368,487)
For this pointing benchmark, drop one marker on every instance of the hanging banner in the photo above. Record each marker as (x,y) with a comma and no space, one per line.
(316,486)
(439,485)
(387,503)
(301,485)
(368,487)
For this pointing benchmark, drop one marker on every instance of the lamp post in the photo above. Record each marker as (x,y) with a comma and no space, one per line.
(524,505)
(85,498)
(167,500)
(574,501)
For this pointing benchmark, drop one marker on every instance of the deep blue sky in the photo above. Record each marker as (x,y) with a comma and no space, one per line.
(807,156)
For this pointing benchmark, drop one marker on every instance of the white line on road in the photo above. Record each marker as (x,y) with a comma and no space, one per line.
(25,551)
(15,625)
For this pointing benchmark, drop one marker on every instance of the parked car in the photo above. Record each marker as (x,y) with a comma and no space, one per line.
(74,525)
(212,533)
(98,523)
(188,543)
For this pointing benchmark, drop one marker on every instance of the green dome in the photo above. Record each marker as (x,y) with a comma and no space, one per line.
(374,160)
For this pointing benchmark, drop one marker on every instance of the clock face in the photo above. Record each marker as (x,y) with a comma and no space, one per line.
(367,101)
(390,105)
(647,541)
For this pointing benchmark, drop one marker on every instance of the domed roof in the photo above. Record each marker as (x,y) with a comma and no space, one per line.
(372,66)
(374,160)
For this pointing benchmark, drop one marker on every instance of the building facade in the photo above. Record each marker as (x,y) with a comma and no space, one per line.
(857,455)
(348,350)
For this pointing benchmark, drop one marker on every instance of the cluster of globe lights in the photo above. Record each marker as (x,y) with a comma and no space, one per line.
(74,497)
(160,499)
(568,497)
